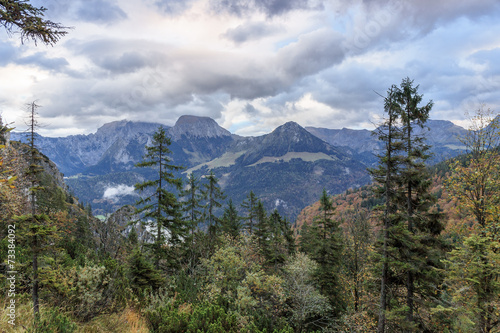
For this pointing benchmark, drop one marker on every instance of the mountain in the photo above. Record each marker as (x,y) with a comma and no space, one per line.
(287,168)
(442,135)
(75,153)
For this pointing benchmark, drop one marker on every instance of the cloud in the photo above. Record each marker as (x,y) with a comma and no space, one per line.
(268,7)
(99,11)
(487,60)
(104,12)
(174,7)
(113,193)
(251,31)
(8,53)
(40,59)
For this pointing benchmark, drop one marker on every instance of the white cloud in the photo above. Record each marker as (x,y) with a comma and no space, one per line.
(114,192)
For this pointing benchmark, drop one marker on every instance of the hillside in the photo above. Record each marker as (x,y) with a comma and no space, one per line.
(363,198)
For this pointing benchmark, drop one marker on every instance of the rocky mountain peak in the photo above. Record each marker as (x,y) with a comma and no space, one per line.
(289,127)
(293,133)
(125,128)
(197,127)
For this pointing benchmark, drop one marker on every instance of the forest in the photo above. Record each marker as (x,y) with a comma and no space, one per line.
(416,251)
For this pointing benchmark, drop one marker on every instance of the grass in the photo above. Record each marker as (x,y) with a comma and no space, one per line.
(225,160)
(305,156)
(127,321)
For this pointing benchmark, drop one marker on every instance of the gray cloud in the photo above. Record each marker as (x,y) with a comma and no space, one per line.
(96,11)
(41,60)
(8,53)
(489,59)
(269,7)
(125,63)
(311,54)
(250,109)
(251,31)
(99,11)
(174,7)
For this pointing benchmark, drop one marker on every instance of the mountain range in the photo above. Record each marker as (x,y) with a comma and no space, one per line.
(287,168)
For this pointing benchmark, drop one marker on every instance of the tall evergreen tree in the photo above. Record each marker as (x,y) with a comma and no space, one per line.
(423,223)
(250,206)
(193,202)
(230,220)
(323,242)
(281,239)
(261,229)
(386,177)
(411,245)
(160,204)
(214,195)
(37,227)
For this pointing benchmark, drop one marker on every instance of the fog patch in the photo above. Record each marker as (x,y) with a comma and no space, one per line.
(115,192)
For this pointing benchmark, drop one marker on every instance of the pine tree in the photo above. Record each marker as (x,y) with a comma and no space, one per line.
(213,195)
(161,205)
(143,276)
(250,205)
(386,177)
(281,239)
(230,220)
(323,243)
(411,245)
(37,227)
(192,204)
(261,231)
(423,223)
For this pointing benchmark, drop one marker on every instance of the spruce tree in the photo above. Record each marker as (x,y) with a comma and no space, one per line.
(192,205)
(214,195)
(230,220)
(423,223)
(160,204)
(36,226)
(411,247)
(250,205)
(386,177)
(322,241)
(262,231)
(281,239)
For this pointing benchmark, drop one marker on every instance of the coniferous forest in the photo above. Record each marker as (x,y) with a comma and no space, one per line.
(416,251)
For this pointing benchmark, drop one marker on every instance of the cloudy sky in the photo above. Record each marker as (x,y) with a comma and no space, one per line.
(251,64)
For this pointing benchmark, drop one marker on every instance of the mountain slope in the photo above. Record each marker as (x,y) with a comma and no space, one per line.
(287,169)
(442,135)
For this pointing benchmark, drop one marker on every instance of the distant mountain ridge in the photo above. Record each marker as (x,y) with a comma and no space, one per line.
(441,135)
(287,168)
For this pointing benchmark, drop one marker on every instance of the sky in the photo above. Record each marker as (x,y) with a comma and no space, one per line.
(251,65)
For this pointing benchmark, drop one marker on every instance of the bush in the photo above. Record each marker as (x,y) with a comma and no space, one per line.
(53,321)
(164,315)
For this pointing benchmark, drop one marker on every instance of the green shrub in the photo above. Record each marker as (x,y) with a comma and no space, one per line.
(164,315)
(53,321)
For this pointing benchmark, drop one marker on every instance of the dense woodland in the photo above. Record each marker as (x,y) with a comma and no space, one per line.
(416,251)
